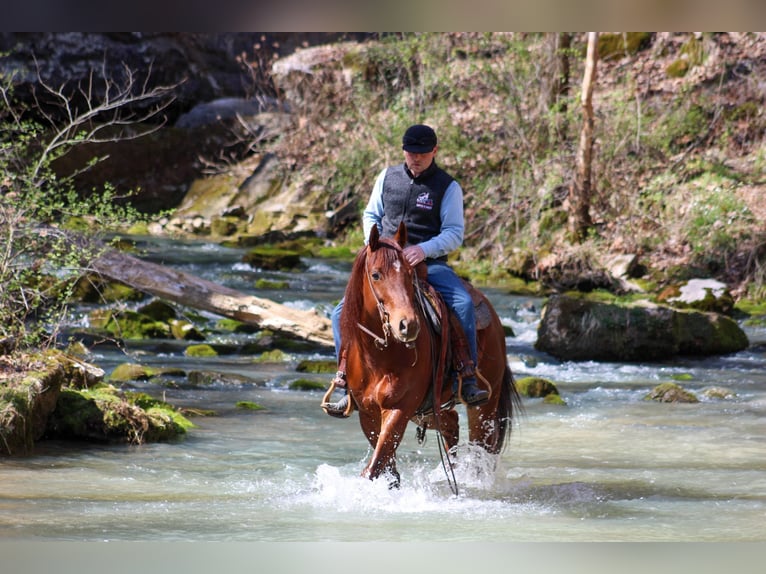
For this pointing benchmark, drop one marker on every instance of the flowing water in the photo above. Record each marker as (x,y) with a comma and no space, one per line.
(609,466)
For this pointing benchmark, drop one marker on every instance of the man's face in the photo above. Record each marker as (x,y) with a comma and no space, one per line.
(417,163)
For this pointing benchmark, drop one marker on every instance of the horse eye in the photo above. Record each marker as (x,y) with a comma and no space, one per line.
(375,275)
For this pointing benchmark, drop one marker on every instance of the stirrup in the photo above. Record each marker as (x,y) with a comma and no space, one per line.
(344,407)
(339,410)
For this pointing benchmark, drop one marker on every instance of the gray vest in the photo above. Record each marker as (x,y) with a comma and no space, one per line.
(416,201)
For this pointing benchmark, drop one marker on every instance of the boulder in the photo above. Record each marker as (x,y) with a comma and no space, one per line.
(579,329)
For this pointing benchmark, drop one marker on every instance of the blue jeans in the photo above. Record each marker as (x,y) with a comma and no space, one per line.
(448,284)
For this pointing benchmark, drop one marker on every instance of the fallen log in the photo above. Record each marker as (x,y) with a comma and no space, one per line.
(198,293)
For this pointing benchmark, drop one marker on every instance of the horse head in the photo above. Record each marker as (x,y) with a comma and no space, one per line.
(391,281)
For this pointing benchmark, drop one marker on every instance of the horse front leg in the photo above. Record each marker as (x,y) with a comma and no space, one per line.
(393,425)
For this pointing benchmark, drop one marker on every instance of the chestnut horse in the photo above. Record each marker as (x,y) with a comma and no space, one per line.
(392,361)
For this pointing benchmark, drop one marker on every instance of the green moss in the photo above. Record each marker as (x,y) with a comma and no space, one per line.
(274,356)
(536,387)
(185,331)
(682,377)
(677,68)
(554,399)
(309,366)
(337,252)
(268,284)
(249,405)
(272,258)
(129,324)
(617,45)
(200,351)
(306,385)
(103,413)
(234,326)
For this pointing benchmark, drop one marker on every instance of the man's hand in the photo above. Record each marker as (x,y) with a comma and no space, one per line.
(414,254)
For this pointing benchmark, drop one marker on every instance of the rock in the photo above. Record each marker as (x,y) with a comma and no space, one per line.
(104,414)
(671,393)
(28,400)
(721,393)
(704,295)
(536,387)
(55,395)
(578,329)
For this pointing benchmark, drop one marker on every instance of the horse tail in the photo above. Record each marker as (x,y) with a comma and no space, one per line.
(508,407)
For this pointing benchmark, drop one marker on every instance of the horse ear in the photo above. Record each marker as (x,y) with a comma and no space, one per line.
(401,235)
(374,238)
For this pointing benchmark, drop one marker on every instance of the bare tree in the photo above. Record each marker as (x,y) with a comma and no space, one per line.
(580,191)
(39,257)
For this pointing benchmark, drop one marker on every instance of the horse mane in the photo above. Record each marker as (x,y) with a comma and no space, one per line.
(387,252)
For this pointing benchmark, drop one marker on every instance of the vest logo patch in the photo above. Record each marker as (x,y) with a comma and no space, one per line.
(424,201)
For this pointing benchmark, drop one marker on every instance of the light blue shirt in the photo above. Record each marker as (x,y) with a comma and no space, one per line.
(450,236)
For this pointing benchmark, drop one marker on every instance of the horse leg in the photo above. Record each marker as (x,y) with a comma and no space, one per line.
(449,428)
(393,424)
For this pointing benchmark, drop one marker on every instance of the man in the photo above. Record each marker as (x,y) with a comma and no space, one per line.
(430,202)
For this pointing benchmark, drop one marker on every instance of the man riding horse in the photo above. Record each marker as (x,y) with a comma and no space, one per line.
(429,202)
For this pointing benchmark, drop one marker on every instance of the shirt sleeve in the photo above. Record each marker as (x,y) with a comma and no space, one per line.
(373,213)
(453,226)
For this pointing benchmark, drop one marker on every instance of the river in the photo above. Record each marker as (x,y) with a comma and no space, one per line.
(608,466)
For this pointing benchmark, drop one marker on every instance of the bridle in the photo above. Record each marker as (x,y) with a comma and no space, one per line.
(380,342)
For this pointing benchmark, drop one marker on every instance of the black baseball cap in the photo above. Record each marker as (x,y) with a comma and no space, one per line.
(419,139)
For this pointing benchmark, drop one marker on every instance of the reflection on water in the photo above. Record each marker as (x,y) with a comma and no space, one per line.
(608,466)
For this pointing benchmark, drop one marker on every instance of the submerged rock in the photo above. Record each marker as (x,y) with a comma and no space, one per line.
(671,393)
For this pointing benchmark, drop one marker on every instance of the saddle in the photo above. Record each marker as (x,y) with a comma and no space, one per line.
(454,352)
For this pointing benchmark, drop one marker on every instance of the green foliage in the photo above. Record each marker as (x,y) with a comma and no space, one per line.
(48,231)
(619,45)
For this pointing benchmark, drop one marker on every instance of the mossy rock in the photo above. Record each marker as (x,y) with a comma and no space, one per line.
(311,366)
(340,252)
(273,356)
(185,331)
(269,284)
(721,393)
(158,310)
(249,406)
(671,393)
(306,385)
(554,399)
(200,351)
(96,289)
(234,326)
(129,324)
(272,259)
(536,387)
(134,372)
(224,226)
(27,401)
(104,414)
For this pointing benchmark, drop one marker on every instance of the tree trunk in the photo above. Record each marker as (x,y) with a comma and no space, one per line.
(580,192)
(198,293)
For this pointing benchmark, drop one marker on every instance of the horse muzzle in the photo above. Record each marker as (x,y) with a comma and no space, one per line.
(407,330)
